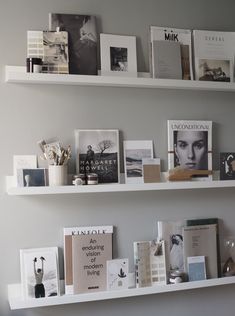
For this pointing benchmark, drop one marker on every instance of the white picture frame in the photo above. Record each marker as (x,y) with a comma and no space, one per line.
(118,55)
(97,151)
(134,152)
(117,274)
(24,162)
(39,272)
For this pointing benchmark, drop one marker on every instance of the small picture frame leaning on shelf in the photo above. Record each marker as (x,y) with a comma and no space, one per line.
(118,55)
(227,166)
(39,272)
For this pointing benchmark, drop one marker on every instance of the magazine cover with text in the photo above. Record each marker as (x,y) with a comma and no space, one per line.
(190,146)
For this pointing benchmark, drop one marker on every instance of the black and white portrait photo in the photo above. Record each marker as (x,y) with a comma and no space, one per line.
(118,59)
(39,272)
(190,145)
(227,166)
(82,41)
(97,151)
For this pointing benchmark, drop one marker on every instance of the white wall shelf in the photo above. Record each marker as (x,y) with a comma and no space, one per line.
(18,74)
(105,188)
(17,302)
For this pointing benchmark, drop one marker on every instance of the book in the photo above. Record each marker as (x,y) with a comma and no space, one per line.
(190,146)
(97,151)
(151,170)
(68,251)
(181,36)
(201,240)
(171,233)
(52,48)
(82,40)
(207,221)
(117,274)
(134,153)
(227,166)
(167,59)
(213,55)
(150,263)
(196,268)
(90,254)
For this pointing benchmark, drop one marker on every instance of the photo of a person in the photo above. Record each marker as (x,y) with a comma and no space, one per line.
(39,289)
(191,149)
(176,252)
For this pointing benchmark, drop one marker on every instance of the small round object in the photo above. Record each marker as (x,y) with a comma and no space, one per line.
(80,176)
(92,178)
(78,181)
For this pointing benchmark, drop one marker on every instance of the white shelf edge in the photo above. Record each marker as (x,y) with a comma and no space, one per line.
(17,302)
(18,74)
(107,188)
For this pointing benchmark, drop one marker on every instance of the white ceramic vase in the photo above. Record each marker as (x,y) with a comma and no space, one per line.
(58,175)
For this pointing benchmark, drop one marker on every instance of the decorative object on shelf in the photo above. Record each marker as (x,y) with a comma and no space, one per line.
(97,151)
(82,40)
(32,177)
(229,267)
(177,276)
(134,152)
(213,55)
(190,146)
(34,65)
(58,175)
(117,274)
(51,47)
(85,268)
(227,166)
(182,174)
(79,179)
(229,251)
(118,55)
(171,53)
(24,162)
(196,268)
(39,272)
(151,170)
(92,178)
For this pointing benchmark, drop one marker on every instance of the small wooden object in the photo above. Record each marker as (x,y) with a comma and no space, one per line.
(180,174)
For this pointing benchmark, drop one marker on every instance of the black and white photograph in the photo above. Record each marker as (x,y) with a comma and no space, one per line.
(118,55)
(227,166)
(118,59)
(214,70)
(134,153)
(97,152)
(39,272)
(32,177)
(190,145)
(82,40)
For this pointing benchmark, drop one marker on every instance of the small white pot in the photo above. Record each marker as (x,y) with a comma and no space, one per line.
(58,175)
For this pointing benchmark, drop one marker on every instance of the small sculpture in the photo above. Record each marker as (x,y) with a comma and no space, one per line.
(180,174)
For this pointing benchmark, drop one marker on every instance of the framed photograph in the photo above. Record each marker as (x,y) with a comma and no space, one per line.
(97,151)
(227,166)
(118,55)
(134,153)
(215,70)
(37,177)
(190,146)
(39,272)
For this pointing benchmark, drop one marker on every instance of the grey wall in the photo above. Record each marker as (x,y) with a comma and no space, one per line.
(32,112)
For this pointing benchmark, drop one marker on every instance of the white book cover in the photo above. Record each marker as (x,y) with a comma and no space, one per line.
(184,37)
(171,233)
(134,153)
(190,146)
(68,233)
(117,274)
(200,240)
(214,55)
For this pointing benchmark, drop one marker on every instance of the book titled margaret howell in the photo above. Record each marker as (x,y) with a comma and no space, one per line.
(86,250)
(190,146)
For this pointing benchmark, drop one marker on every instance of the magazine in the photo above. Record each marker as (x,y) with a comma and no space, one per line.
(82,41)
(69,232)
(97,151)
(214,55)
(52,48)
(190,146)
(181,36)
